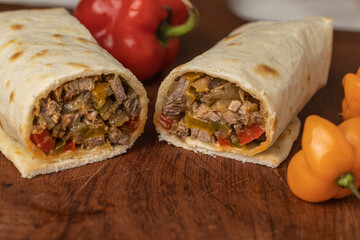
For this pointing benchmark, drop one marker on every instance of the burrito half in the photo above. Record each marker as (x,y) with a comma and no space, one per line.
(240,98)
(65,101)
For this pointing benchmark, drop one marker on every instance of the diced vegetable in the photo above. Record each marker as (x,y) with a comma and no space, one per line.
(228,91)
(118,119)
(211,126)
(192,76)
(99,94)
(44,141)
(190,95)
(223,141)
(201,85)
(81,131)
(251,133)
(165,121)
(132,125)
(70,146)
(60,146)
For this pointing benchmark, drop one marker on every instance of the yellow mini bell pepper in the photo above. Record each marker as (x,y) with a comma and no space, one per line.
(328,166)
(351,102)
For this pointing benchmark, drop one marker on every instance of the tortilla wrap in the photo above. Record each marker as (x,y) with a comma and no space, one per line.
(41,50)
(281,64)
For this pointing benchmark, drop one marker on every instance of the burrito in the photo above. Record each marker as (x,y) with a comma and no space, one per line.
(240,98)
(65,100)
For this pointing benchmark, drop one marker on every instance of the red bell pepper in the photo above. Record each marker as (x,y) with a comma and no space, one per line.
(132,125)
(70,146)
(223,142)
(165,121)
(141,34)
(43,140)
(251,133)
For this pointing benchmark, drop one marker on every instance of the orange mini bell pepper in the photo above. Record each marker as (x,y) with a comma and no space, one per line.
(351,102)
(328,166)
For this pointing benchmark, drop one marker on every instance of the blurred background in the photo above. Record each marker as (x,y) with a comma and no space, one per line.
(346,13)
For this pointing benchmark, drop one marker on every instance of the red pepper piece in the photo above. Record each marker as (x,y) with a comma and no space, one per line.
(165,121)
(133,124)
(44,141)
(251,133)
(70,146)
(223,141)
(141,34)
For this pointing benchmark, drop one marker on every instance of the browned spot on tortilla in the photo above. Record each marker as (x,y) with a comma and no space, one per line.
(233,44)
(83,40)
(231,37)
(8,84)
(12,96)
(88,52)
(308,79)
(40,54)
(16,27)
(265,71)
(12,41)
(48,65)
(232,60)
(57,36)
(1,124)
(16,55)
(60,44)
(77,65)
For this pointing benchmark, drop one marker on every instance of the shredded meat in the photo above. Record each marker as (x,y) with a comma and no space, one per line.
(78,86)
(132,104)
(204,112)
(89,116)
(94,141)
(202,135)
(174,102)
(50,112)
(118,89)
(214,107)
(180,129)
(116,136)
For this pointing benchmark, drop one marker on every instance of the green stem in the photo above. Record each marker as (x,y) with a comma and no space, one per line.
(347,181)
(166,31)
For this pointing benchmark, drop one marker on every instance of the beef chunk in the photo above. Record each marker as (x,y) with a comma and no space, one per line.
(234,105)
(230,117)
(118,89)
(178,90)
(50,111)
(174,102)
(117,137)
(118,118)
(205,112)
(78,86)
(171,107)
(132,104)
(94,141)
(203,135)
(180,129)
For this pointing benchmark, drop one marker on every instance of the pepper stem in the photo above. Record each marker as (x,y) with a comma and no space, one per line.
(166,31)
(347,181)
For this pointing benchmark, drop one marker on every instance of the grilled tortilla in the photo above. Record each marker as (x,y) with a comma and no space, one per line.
(65,101)
(240,98)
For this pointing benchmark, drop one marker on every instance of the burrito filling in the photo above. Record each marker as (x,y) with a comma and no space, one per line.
(212,110)
(85,113)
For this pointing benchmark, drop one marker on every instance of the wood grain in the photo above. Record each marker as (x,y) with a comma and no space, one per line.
(157,191)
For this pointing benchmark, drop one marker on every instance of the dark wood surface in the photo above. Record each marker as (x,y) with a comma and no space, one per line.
(157,191)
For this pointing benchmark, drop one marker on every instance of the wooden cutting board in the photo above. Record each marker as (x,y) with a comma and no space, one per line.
(157,191)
